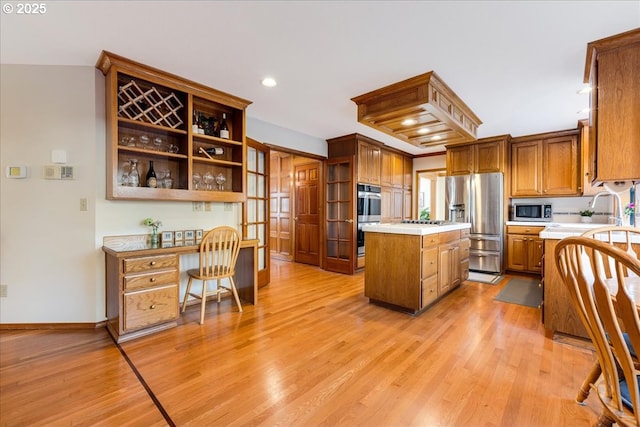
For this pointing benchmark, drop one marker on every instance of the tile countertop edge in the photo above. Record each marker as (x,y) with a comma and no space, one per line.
(558,232)
(413,229)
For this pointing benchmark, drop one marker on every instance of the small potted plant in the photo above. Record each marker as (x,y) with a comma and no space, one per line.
(154,227)
(586,215)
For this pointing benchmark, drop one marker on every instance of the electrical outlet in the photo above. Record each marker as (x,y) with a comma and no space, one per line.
(207,206)
(198,206)
(228,207)
(4,290)
(84,204)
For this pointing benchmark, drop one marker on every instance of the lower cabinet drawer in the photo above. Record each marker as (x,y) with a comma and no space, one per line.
(429,290)
(464,269)
(150,279)
(153,306)
(429,262)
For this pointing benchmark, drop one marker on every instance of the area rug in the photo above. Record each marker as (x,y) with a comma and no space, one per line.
(522,291)
(491,279)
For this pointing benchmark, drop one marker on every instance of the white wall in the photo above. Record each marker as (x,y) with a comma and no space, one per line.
(50,251)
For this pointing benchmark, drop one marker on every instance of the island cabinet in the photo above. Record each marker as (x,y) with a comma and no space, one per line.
(613,72)
(484,156)
(546,165)
(524,248)
(192,134)
(409,272)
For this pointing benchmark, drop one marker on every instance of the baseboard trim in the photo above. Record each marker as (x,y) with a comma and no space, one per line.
(49,326)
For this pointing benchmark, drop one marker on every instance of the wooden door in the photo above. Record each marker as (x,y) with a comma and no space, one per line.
(281,221)
(560,166)
(307,211)
(340,252)
(255,217)
(526,168)
(460,160)
(488,157)
(516,252)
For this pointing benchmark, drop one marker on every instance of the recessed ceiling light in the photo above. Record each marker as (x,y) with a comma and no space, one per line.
(584,90)
(269,82)
(409,122)
(435,137)
(423,131)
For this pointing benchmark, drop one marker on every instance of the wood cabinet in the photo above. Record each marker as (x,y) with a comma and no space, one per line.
(484,156)
(153,116)
(410,272)
(545,165)
(449,266)
(465,245)
(613,72)
(142,294)
(524,248)
(392,169)
(588,187)
(368,164)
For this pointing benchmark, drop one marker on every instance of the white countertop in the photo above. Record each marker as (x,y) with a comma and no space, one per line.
(414,229)
(560,231)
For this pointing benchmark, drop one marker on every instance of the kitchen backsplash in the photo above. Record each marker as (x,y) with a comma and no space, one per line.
(567,209)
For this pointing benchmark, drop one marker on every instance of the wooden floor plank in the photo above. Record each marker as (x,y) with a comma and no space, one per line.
(313,352)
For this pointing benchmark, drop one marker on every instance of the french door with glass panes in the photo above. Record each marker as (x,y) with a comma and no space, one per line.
(340,251)
(255,215)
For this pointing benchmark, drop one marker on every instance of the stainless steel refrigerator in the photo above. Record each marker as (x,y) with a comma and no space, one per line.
(479,200)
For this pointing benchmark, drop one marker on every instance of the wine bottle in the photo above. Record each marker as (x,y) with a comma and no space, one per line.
(152,181)
(224,129)
(194,124)
(215,151)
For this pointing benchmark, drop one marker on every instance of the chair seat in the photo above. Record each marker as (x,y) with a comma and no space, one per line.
(195,273)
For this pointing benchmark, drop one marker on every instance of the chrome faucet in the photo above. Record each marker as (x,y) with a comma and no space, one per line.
(619,216)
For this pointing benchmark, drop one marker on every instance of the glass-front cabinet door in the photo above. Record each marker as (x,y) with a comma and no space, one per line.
(340,215)
(255,214)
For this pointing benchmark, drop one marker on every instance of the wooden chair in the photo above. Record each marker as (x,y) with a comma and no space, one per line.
(622,237)
(610,315)
(218,255)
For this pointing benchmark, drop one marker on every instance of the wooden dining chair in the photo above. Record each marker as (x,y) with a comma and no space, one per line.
(218,255)
(607,306)
(624,238)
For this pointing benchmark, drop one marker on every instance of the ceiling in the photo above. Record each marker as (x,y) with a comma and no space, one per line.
(516,64)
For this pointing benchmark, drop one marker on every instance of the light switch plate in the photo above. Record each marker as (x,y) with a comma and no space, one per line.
(16,172)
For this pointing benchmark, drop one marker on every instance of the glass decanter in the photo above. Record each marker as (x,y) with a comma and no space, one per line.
(167,181)
(134,175)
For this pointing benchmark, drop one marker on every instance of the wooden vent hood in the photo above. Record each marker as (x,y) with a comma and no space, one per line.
(422,111)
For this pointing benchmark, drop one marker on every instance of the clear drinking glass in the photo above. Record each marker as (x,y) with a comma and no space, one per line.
(167,181)
(157,143)
(196,180)
(220,180)
(134,176)
(144,141)
(208,180)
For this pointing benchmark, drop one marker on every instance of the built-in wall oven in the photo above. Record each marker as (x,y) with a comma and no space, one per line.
(369,210)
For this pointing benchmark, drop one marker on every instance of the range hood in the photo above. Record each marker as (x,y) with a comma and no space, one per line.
(422,111)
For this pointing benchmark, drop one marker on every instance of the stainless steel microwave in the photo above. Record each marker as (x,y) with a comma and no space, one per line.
(531,212)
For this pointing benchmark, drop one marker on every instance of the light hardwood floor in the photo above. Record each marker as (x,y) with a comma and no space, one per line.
(313,352)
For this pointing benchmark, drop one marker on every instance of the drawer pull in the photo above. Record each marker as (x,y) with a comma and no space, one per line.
(152,263)
(153,307)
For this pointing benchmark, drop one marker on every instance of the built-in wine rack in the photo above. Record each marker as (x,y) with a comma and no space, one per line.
(149,105)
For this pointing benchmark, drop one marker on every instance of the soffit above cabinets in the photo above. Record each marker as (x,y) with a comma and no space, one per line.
(438,115)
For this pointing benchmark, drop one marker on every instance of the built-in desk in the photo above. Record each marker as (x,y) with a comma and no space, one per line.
(143,283)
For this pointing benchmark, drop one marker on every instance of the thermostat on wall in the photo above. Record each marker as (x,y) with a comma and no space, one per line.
(16,172)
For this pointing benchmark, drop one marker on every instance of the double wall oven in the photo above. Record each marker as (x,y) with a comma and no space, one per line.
(369,210)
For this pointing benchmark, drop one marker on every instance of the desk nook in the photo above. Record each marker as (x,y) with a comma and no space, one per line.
(143,284)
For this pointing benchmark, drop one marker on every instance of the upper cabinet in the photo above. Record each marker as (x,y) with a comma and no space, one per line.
(613,72)
(368,163)
(545,165)
(192,136)
(485,156)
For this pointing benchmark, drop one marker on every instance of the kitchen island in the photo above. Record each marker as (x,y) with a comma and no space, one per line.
(408,267)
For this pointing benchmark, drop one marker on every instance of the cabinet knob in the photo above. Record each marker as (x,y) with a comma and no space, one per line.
(152,263)
(539,285)
(153,279)
(153,306)
(295,218)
